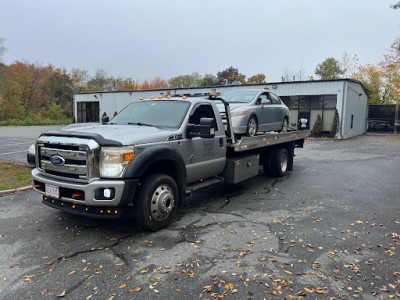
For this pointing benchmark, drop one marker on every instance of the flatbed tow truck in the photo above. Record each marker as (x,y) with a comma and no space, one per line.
(149,156)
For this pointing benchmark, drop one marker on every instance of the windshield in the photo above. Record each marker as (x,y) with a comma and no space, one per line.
(244,96)
(159,113)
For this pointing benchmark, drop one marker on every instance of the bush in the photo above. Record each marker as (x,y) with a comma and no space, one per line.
(317,129)
(335,124)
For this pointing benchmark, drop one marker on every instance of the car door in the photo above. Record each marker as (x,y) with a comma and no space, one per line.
(278,111)
(204,157)
(265,113)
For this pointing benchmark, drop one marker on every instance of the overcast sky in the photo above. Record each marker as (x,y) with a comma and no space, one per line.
(166,38)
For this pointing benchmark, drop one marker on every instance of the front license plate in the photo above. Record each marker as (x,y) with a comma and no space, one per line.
(52,191)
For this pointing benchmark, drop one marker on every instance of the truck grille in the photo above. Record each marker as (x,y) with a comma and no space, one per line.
(69,158)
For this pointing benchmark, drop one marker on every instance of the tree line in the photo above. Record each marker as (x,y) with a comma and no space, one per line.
(33,94)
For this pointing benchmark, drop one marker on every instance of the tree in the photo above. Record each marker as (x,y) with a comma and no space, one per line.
(335,124)
(329,69)
(395,6)
(209,80)
(371,78)
(184,81)
(99,82)
(317,129)
(3,49)
(289,75)
(349,64)
(79,79)
(257,79)
(229,75)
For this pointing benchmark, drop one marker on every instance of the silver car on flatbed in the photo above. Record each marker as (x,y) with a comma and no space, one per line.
(255,110)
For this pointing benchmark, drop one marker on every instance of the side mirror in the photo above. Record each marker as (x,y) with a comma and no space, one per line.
(265,102)
(204,130)
(105,120)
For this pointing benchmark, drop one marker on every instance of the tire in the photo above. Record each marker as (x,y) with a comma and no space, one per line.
(285,125)
(156,202)
(280,162)
(266,163)
(252,126)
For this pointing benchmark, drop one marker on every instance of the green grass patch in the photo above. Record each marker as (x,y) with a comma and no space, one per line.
(14,175)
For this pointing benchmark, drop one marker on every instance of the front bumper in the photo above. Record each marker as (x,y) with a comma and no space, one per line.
(123,190)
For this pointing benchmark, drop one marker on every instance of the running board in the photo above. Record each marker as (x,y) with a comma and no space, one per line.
(198,185)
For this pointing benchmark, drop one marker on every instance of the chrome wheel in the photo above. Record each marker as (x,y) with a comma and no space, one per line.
(284,162)
(285,125)
(252,126)
(162,202)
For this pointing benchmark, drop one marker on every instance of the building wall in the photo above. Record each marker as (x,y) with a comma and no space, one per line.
(351,100)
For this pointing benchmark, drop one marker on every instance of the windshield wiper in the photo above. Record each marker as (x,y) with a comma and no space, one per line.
(141,124)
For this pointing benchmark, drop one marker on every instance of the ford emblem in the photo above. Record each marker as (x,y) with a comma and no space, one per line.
(57,160)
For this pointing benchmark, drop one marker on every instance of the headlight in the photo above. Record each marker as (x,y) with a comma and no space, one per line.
(32,149)
(238,113)
(113,160)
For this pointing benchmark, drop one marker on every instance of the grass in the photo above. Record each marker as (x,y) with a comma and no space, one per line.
(14,175)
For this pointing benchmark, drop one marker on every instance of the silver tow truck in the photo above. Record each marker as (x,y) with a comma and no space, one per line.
(151,154)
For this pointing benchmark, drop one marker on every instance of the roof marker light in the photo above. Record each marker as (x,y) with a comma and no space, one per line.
(152,97)
(160,97)
(169,96)
(183,97)
(141,98)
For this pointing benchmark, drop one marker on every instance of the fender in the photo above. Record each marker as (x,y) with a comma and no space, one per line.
(142,161)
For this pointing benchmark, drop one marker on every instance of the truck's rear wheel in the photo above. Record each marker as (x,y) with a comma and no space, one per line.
(280,162)
(156,203)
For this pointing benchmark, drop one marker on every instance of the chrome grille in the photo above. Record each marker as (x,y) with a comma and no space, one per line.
(79,158)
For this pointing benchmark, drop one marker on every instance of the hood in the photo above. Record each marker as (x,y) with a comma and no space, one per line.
(233,106)
(125,134)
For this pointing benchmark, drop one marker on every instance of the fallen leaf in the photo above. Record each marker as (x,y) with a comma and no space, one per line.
(64,292)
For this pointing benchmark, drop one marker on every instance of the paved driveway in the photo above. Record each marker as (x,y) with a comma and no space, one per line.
(328,230)
(15,141)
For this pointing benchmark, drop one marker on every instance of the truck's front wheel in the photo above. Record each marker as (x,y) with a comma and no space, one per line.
(156,203)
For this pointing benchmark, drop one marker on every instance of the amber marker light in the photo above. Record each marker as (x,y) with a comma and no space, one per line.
(169,96)
(141,98)
(116,211)
(128,156)
(152,97)
(183,97)
(160,97)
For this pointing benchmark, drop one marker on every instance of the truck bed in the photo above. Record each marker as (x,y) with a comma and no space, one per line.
(268,139)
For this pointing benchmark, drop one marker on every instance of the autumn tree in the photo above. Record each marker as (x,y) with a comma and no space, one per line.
(329,69)
(229,75)
(371,78)
(79,78)
(257,79)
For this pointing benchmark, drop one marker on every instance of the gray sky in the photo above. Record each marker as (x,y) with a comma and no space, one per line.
(144,39)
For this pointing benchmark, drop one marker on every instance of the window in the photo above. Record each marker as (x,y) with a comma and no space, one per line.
(202,111)
(158,113)
(291,101)
(330,101)
(88,112)
(275,99)
(316,102)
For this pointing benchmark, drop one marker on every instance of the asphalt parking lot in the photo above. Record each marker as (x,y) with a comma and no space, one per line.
(328,230)
(15,141)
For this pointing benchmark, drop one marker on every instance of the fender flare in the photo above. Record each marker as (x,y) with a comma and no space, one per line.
(149,156)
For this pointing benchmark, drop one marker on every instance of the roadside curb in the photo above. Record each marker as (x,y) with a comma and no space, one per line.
(16,190)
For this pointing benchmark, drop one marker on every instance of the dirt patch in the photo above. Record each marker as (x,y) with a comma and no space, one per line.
(14,175)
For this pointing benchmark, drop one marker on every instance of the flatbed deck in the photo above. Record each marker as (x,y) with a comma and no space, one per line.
(268,139)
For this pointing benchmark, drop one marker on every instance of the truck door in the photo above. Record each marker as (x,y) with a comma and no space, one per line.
(204,157)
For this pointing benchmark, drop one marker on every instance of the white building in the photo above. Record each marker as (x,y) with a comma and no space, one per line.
(305,99)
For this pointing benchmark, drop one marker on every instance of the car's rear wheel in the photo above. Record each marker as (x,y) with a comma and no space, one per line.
(252,126)
(285,125)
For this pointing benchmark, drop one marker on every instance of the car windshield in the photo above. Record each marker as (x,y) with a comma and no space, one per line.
(244,96)
(159,113)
